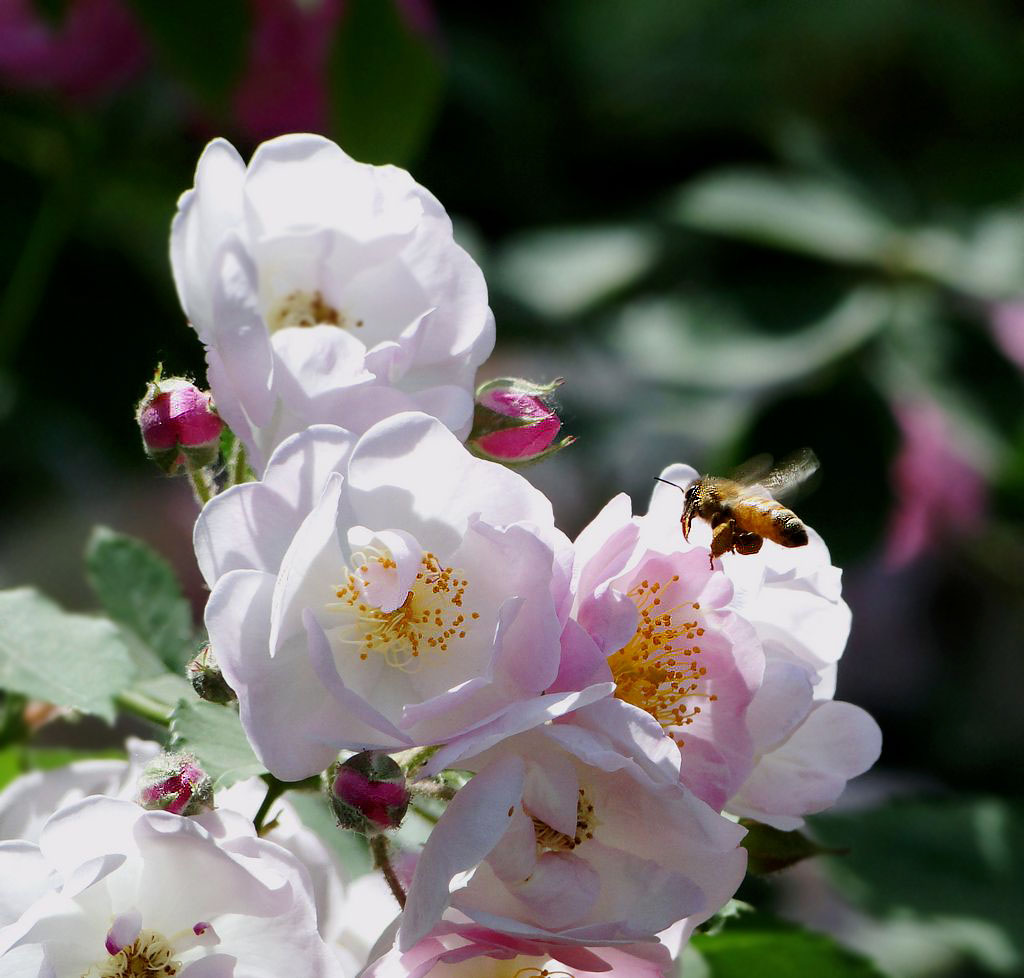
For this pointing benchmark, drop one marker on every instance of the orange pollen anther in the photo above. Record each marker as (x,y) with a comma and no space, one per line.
(551,840)
(149,956)
(659,668)
(430,618)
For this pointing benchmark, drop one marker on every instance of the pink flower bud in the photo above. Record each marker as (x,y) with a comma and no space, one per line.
(368,792)
(515,421)
(207,680)
(179,425)
(175,783)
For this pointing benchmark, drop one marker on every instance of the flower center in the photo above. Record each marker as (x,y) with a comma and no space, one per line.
(305,309)
(149,956)
(551,840)
(430,619)
(535,972)
(659,669)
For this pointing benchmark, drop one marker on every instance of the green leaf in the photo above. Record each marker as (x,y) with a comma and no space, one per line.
(386,80)
(203,43)
(757,944)
(214,734)
(936,858)
(67,659)
(167,688)
(770,850)
(139,590)
(350,847)
(710,347)
(565,272)
(798,213)
(10,764)
(12,718)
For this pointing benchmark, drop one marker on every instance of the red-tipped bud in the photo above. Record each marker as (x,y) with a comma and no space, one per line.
(179,425)
(515,421)
(207,680)
(175,783)
(368,792)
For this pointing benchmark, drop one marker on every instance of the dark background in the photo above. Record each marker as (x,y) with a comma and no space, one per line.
(733,226)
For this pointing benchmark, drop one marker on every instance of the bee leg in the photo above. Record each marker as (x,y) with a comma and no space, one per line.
(747,542)
(722,539)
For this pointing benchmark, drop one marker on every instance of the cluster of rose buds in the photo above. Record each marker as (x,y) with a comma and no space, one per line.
(585,720)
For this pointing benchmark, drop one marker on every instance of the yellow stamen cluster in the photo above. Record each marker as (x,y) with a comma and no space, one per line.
(303,310)
(149,956)
(430,619)
(551,840)
(659,669)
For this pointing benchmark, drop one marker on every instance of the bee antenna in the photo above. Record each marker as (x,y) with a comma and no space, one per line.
(658,478)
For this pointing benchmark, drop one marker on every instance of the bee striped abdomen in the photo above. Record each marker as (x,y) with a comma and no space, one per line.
(770,519)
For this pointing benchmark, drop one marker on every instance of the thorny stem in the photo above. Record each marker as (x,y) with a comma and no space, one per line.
(382,861)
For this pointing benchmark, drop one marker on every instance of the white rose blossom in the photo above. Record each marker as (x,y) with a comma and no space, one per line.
(325,291)
(388,593)
(806,745)
(112,890)
(351,913)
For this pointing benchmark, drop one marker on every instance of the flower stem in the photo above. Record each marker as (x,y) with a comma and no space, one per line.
(382,861)
(411,761)
(424,814)
(142,706)
(202,485)
(275,789)
(239,464)
(432,788)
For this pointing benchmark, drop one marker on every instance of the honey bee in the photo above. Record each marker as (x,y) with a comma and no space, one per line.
(742,511)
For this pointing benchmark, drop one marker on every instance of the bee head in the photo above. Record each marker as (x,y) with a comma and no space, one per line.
(692,501)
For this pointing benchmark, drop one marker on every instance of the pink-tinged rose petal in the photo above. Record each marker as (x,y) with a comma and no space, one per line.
(473,823)
(585,875)
(123,931)
(139,877)
(320,286)
(387,625)
(250,526)
(808,771)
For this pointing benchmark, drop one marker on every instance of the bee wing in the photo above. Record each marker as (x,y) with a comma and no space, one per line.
(791,475)
(753,471)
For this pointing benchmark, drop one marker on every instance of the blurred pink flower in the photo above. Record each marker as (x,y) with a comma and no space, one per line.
(1007,324)
(95,47)
(285,86)
(938,490)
